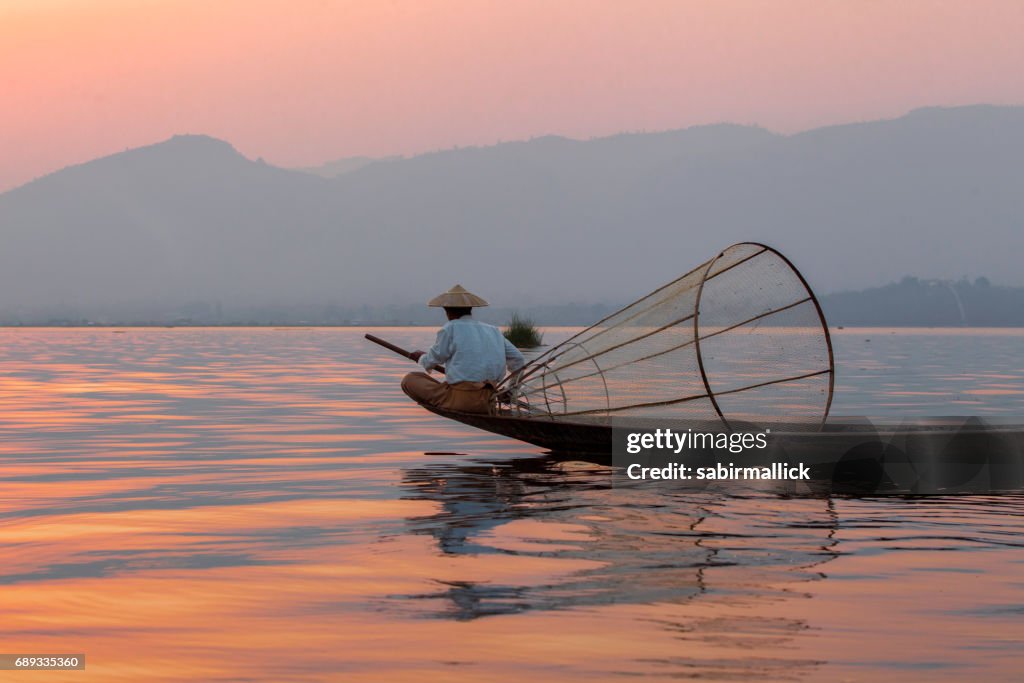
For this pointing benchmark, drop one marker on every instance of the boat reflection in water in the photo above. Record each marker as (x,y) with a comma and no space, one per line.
(722,585)
(643,544)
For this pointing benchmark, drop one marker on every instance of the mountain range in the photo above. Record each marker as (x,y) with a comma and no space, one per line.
(938,193)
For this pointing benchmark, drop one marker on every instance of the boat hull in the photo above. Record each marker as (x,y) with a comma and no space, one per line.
(955,456)
(560,437)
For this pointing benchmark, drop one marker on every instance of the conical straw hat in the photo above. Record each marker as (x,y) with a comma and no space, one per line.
(457,297)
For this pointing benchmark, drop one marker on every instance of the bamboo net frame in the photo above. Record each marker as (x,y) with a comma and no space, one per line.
(741,337)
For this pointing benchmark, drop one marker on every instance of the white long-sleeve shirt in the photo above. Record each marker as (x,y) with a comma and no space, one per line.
(472,351)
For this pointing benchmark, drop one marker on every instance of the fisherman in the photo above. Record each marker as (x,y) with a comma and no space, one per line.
(474,354)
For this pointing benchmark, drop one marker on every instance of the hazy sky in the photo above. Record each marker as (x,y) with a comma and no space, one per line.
(300,82)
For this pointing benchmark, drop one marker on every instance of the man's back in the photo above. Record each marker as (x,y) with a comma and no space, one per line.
(472,351)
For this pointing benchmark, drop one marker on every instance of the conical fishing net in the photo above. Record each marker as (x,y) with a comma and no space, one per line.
(739,338)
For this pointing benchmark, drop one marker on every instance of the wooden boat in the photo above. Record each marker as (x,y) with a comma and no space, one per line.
(557,436)
(740,339)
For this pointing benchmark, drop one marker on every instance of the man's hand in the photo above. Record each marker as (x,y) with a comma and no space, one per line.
(416,355)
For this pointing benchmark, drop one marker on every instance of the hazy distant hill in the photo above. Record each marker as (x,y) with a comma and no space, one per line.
(191,222)
(928,303)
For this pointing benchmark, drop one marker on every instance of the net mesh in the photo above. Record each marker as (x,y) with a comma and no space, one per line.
(739,338)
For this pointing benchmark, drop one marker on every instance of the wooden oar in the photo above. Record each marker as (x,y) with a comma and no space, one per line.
(397,349)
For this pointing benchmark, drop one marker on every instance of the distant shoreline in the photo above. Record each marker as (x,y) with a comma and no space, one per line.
(911,302)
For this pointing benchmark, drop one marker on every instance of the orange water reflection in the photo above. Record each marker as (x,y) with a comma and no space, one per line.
(225,505)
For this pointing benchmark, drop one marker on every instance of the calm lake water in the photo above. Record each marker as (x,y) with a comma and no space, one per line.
(265,505)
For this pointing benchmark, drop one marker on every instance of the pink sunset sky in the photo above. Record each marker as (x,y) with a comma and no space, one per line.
(302,82)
